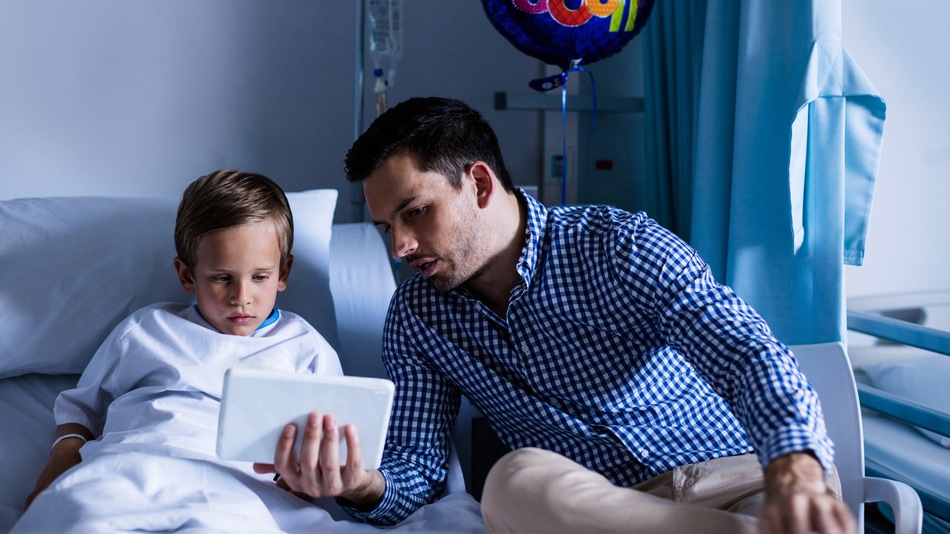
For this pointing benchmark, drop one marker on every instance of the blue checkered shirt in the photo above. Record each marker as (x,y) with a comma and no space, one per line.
(619,351)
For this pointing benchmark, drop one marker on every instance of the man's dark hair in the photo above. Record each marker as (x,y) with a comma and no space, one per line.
(440,134)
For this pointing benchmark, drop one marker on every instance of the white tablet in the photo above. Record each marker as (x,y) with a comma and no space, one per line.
(256,405)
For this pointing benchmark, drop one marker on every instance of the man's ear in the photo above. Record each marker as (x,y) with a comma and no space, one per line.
(185,278)
(485,182)
(285,273)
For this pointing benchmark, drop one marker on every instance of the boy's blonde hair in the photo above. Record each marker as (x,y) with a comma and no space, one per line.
(228,198)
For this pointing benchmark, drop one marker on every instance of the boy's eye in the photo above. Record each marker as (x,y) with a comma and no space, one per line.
(385,228)
(261,277)
(221,278)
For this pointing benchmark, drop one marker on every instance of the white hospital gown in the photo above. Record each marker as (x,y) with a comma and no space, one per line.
(157,378)
(152,393)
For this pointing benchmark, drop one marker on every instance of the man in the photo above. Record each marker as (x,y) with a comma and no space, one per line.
(597,344)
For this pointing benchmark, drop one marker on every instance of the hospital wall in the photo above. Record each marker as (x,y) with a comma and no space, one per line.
(902,48)
(140,98)
(110,97)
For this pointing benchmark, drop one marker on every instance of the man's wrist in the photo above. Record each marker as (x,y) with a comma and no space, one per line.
(367,498)
(797,472)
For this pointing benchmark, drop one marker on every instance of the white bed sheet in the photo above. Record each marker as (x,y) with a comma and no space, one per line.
(26,431)
(901,452)
(156,492)
(27,427)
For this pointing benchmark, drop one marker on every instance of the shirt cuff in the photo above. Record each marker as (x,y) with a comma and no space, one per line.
(381,514)
(798,439)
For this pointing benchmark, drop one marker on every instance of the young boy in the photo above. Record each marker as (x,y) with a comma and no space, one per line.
(154,386)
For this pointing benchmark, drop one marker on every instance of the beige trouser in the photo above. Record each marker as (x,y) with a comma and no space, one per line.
(533,490)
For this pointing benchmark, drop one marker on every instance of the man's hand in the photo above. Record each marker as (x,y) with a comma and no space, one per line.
(798,500)
(317,473)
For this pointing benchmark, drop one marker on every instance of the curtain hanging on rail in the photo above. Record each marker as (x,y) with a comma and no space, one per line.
(672,54)
(782,147)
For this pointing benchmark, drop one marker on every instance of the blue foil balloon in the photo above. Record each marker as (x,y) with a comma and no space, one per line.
(568,33)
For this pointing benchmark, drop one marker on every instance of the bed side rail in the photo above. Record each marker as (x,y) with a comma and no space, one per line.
(896,407)
(913,335)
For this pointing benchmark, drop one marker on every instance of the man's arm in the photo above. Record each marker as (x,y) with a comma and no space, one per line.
(414,464)
(734,351)
(798,499)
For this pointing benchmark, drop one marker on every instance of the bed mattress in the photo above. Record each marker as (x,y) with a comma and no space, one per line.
(27,423)
(898,451)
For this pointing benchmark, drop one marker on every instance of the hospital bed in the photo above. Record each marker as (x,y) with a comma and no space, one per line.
(900,350)
(72,268)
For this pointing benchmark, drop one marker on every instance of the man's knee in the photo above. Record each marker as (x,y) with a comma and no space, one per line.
(522,491)
(537,478)
(511,472)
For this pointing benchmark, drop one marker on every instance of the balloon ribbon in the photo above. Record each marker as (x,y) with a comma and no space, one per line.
(560,80)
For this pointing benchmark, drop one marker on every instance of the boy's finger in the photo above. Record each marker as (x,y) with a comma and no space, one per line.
(265,468)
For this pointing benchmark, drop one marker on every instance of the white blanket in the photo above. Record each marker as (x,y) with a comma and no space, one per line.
(131,487)
(154,467)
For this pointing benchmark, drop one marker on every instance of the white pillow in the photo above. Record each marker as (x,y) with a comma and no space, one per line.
(73,267)
(919,380)
(308,290)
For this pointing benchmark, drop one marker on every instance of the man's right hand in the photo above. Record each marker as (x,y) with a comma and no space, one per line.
(318,473)
(798,500)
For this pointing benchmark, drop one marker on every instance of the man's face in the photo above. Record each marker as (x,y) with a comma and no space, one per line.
(435,227)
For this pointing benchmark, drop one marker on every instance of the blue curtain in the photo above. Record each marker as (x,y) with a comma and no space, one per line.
(672,53)
(782,144)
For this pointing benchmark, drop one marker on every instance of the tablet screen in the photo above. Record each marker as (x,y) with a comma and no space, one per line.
(257,404)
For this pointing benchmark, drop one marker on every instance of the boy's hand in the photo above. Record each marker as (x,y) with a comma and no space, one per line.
(318,473)
(64,456)
(797,499)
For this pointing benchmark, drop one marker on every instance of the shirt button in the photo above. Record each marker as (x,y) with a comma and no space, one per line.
(643,453)
(524,348)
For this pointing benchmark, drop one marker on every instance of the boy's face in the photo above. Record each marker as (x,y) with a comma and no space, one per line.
(236,276)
